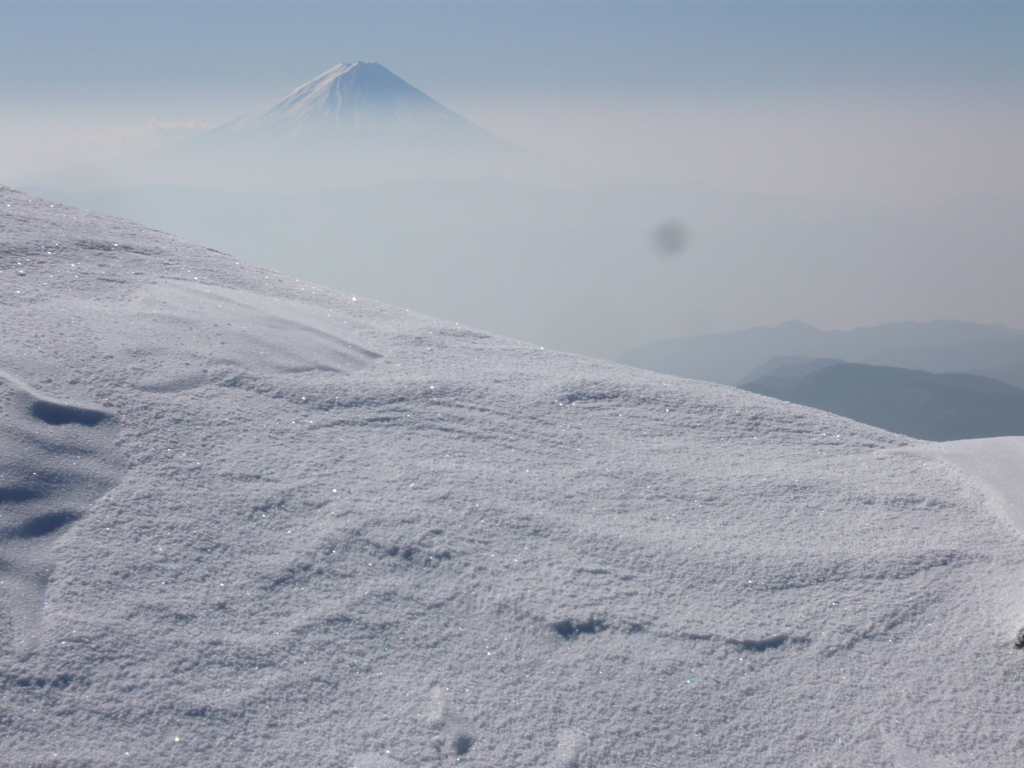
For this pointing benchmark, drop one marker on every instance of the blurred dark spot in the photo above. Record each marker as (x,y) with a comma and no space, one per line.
(669,238)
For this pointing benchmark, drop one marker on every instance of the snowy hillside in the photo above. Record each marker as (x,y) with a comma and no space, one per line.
(251,521)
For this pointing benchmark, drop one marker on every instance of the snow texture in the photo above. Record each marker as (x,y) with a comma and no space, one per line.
(249,521)
(997,464)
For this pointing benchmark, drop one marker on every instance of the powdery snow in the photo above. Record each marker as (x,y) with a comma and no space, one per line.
(306,529)
(996,463)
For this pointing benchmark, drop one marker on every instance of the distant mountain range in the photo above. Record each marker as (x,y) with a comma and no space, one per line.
(928,406)
(943,380)
(941,346)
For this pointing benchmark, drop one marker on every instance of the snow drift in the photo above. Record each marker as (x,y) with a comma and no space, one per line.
(296,527)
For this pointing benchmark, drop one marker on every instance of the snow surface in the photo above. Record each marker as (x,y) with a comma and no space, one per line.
(997,463)
(250,521)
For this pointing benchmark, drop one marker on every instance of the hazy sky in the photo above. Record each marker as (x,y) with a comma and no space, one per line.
(897,127)
(911,102)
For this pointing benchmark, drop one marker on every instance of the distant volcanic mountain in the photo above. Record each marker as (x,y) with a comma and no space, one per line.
(355,124)
(363,101)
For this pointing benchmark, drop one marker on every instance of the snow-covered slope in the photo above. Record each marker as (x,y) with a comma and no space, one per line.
(250,521)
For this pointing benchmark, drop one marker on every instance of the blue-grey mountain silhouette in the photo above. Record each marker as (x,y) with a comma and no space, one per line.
(928,406)
(940,346)
(360,101)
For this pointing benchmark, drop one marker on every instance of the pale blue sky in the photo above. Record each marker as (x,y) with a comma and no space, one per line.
(888,100)
(690,48)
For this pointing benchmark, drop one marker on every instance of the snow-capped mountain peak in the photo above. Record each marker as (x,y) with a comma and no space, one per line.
(361,99)
(355,124)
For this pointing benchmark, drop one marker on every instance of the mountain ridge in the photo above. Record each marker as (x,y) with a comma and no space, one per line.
(938,346)
(927,406)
